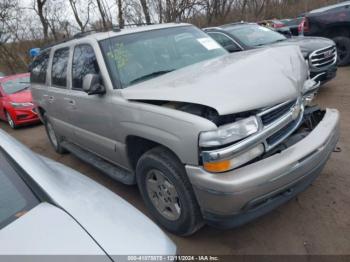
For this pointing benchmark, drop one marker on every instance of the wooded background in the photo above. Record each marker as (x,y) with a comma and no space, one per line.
(35,23)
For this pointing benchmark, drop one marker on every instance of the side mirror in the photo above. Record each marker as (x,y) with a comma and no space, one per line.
(92,85)
(233,48)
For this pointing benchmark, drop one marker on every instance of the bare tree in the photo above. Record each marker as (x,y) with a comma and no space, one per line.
(77,14)
(104,14)
(39,9)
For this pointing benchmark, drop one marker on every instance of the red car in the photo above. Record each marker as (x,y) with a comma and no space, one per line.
(16,106)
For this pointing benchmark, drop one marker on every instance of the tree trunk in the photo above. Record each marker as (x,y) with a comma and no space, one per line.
(42,17)
(120,14)
(102,13)
(76,15)
(146,11)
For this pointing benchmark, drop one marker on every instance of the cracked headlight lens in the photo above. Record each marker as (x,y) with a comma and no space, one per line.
(229,133)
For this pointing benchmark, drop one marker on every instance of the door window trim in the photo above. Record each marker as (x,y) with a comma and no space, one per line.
(72,60)
(68,84)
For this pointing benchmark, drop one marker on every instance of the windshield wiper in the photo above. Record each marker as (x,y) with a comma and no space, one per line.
(154,74)
(279,40)
(20,90)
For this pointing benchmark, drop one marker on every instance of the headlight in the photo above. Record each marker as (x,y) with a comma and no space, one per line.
(239,160)
(17,105)
(230,133)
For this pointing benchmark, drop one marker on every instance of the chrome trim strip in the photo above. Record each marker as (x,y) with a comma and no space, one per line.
(270,109)
(333,58)
(269,147)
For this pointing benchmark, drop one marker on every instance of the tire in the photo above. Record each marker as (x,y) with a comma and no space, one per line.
(343,50)
(182,216)
(10,120)
(54,139)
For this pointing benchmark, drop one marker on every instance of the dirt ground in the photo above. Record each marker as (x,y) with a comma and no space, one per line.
(317,222)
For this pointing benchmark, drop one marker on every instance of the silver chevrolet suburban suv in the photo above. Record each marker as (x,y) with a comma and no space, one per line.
(208,137)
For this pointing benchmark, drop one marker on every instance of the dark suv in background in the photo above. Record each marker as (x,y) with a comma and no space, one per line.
(333,22)
(320,53)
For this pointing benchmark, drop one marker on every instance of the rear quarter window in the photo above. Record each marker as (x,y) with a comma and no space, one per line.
(39,68)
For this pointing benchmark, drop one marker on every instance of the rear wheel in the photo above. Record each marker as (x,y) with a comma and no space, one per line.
(167,192)
(10,121)
(343,50)
(54,139)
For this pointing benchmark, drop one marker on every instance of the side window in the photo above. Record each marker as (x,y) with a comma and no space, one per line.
(59,68)
(222,39)
(38,68)
(84,62)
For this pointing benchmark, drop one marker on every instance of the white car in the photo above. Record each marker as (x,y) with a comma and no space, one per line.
(47,208)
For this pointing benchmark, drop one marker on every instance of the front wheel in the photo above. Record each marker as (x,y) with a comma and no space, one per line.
(343,50)
(167,192)
(55,140)
(10,121)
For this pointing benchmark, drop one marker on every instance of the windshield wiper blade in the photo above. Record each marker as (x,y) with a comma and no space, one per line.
(20,90)
(154,74)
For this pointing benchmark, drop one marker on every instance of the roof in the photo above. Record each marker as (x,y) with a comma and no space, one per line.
(108,34)
(327,8)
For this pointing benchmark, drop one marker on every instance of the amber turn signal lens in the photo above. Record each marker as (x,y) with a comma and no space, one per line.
(217,167)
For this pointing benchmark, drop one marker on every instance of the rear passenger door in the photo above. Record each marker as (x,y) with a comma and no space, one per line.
(39,80)
(90,115)
(58,91)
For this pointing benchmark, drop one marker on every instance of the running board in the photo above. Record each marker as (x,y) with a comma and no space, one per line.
(109,169)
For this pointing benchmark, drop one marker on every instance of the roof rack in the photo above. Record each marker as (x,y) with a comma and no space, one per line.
(137,25)
(115,28)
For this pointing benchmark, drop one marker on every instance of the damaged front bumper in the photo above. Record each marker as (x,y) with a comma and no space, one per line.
(233,198)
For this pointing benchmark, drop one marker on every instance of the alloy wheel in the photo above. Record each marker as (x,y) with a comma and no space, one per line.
(10,120)
(163,195)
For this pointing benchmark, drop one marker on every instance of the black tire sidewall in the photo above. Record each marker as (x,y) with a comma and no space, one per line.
(346,42)
(187,223)
(57,148)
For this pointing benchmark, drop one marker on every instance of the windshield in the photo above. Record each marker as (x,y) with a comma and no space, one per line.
(255,35)
(137,57)
(16,85)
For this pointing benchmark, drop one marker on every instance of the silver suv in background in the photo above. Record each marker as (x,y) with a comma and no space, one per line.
(208,137)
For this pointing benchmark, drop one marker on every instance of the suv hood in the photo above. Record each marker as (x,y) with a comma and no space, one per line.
(232,83)
(307,44)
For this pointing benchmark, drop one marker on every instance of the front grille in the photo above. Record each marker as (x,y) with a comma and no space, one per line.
(279,135)
(276,113)
(270,115)
(323,57)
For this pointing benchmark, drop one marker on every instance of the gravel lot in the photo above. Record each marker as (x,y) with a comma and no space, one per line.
(317,222)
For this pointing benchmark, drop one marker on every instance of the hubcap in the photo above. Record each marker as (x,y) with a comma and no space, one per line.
(163,195)
(52,134)
(9,120)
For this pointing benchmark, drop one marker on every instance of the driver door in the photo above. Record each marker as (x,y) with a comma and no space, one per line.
(93,128)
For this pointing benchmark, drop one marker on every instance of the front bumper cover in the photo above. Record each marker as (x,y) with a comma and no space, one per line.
(236,197)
